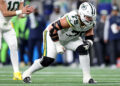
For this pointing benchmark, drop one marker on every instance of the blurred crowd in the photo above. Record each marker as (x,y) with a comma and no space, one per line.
(106,49)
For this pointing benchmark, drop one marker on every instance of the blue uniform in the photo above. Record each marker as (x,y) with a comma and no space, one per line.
(114,40)
(112,20)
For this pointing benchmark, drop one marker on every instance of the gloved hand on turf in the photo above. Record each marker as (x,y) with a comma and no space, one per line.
(60,49)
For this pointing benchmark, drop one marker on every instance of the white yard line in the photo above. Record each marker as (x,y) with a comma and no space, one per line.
(103,84)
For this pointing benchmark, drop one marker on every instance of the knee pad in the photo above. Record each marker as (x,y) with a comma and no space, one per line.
(46,61)
(81,51)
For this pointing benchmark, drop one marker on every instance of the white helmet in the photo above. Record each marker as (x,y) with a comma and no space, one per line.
(86,9)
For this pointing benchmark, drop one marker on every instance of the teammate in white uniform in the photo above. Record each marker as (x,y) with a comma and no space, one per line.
(8,9)
(68,33)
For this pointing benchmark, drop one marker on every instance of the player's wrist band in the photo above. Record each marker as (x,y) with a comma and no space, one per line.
(18,12)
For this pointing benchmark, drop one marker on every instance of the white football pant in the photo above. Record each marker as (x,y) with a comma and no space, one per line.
(9,35)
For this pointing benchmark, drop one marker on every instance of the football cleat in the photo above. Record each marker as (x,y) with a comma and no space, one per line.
(90,81)
(26,77)
(17,76)
(27,80)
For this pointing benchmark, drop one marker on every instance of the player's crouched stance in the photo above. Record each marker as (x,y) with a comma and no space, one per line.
(66,33)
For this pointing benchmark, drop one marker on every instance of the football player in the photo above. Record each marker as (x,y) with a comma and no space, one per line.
(8,9)
(68,33)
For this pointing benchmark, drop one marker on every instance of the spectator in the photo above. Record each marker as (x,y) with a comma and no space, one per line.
(56,12)
(112,35)
(99,38)
(23,40)
(47,8)
(4,57)
(36,23)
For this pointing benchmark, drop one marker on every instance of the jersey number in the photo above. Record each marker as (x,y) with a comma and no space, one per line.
(13,5)
(75,19)
(75,33)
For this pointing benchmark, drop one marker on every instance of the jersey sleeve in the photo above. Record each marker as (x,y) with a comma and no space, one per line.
(72,18)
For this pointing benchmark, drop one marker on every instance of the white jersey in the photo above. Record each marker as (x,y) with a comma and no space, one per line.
(75,30)
(12,5)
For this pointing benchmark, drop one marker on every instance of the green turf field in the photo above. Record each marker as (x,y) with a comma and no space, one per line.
(62,76)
